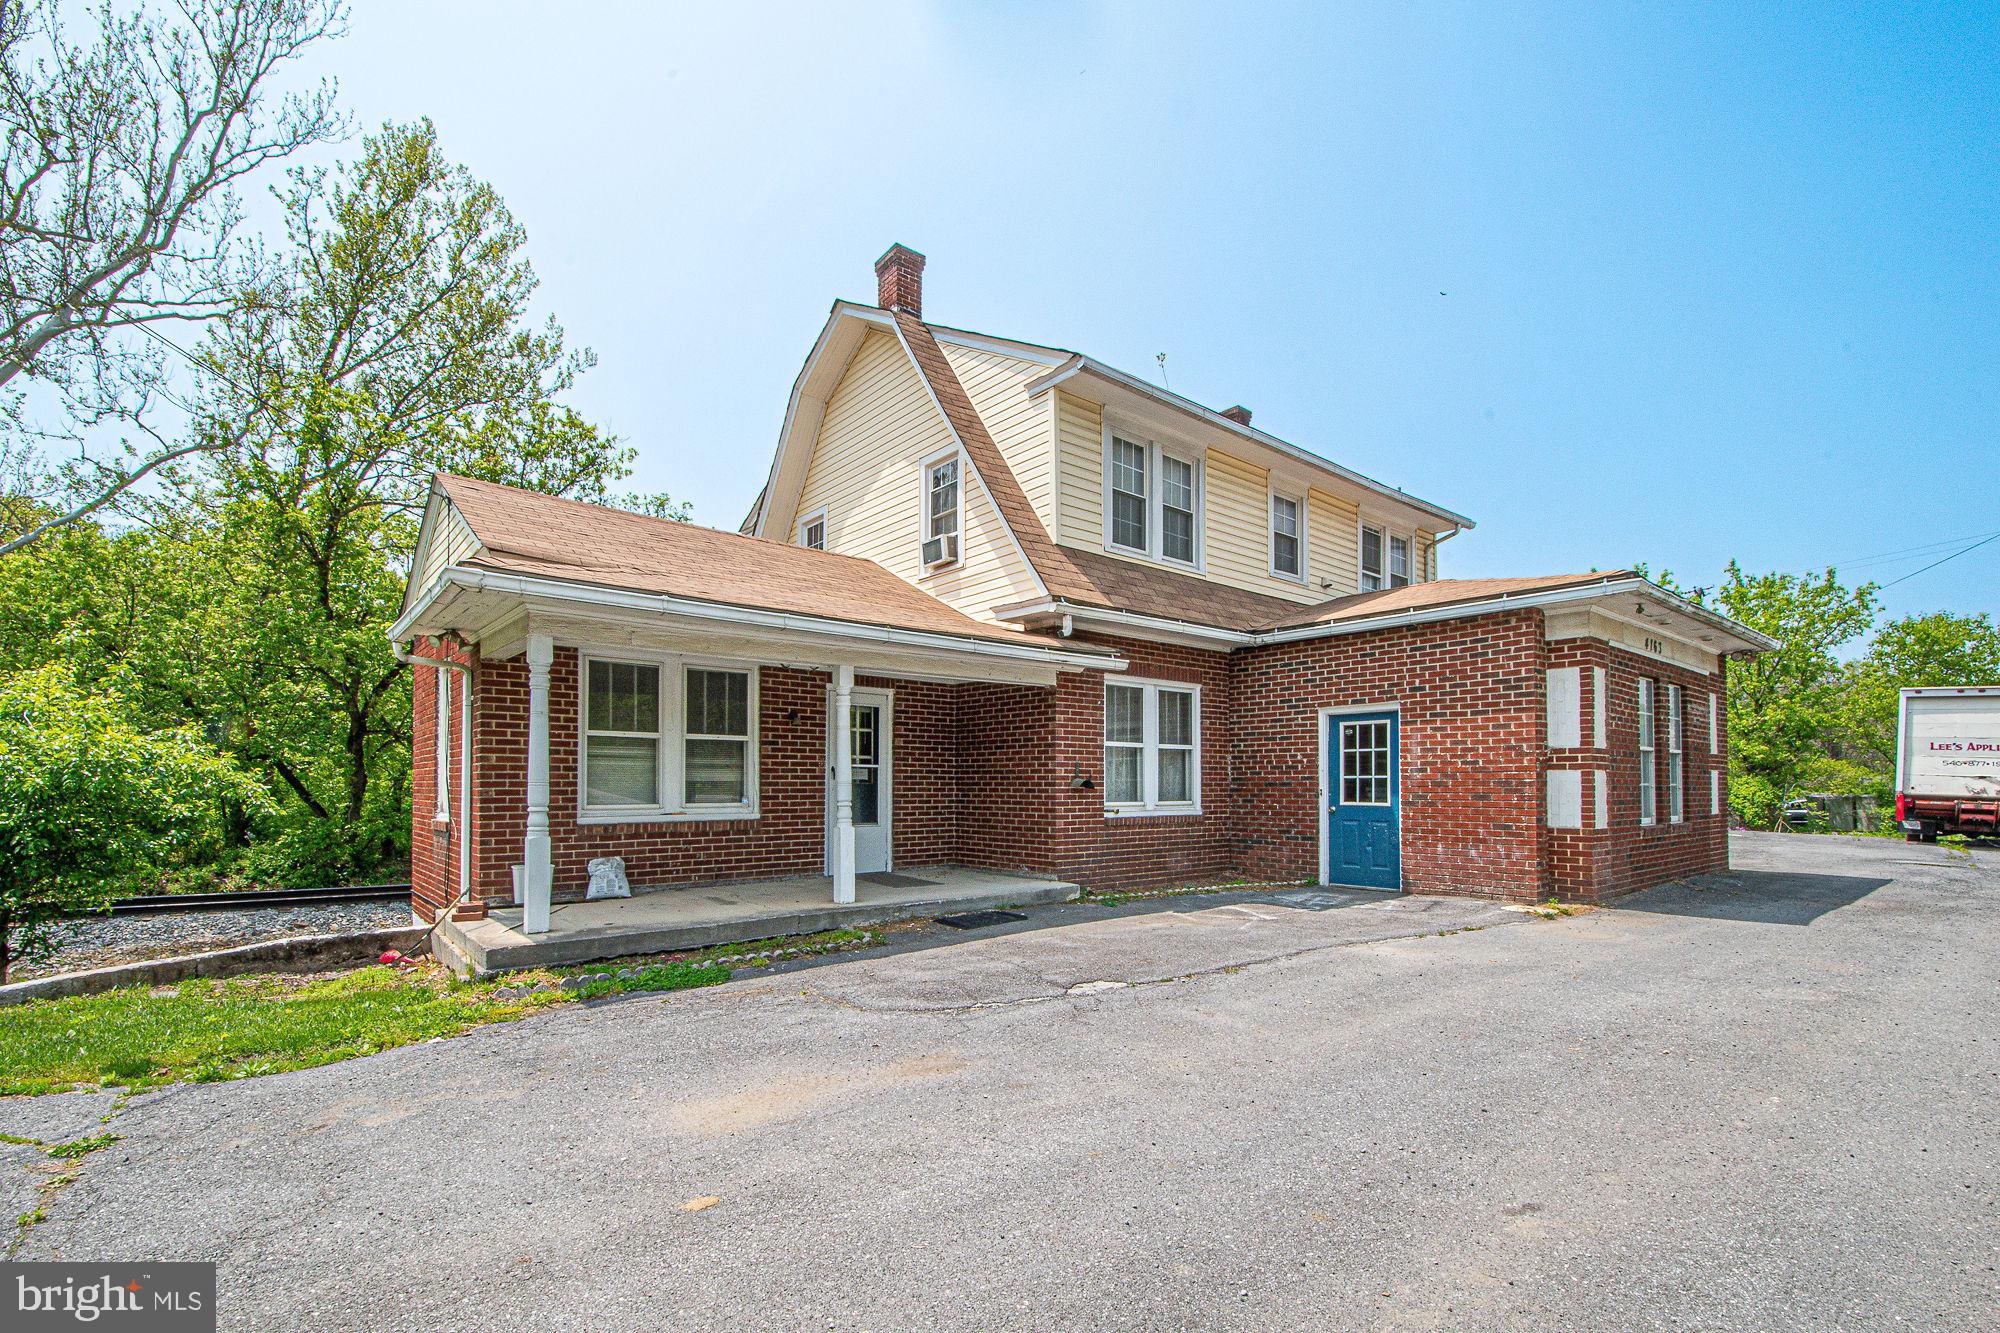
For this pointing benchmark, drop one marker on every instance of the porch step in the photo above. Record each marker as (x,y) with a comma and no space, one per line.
(484,947)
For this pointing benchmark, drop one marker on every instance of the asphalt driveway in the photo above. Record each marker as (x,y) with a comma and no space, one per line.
(1767,1100)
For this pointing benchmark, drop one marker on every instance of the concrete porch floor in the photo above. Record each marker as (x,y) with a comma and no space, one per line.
(695,916)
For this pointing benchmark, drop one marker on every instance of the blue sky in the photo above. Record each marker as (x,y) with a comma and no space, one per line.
(1623,283)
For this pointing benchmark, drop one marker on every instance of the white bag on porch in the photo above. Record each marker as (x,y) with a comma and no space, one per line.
(607,879)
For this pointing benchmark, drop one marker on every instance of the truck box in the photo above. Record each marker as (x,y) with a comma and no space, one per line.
(1948,761)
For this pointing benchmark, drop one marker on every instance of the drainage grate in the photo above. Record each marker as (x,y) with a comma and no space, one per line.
(976,920)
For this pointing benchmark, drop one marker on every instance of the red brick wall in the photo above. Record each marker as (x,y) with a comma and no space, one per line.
(436,845)
(1592,863)
(1012,780)
(984,773)
(1470,693)
(1102,852)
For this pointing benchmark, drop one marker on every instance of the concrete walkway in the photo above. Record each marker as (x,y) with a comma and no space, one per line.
(698,915)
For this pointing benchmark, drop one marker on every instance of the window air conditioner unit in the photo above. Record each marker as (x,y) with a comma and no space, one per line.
(941,550)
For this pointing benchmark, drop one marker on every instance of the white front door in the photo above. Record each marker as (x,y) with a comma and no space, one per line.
(872,729)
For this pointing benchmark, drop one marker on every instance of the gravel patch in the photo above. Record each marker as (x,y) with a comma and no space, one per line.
(104,941)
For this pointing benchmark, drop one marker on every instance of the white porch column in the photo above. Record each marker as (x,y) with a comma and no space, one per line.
(843,784)
(535,850)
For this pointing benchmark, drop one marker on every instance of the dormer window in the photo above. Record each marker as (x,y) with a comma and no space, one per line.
(1372,576)
(1288,549)
(940,546)
(1152,501)
(1399,562)
(812,530)
(1128,496)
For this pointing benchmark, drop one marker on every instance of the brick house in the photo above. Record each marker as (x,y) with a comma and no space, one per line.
(1001,606)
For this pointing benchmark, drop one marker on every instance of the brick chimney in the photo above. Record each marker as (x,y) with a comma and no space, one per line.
(899,280)
(1238,414)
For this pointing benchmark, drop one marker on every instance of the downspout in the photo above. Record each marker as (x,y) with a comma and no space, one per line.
(462,840)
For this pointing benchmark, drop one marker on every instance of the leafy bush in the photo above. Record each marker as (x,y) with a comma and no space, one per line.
(90,804)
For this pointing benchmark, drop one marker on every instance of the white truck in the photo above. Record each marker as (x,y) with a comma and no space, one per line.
(1948,761)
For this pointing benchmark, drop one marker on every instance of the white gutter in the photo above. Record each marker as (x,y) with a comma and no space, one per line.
(529,585)
(1419,616)
(1079,364)
(1132,620)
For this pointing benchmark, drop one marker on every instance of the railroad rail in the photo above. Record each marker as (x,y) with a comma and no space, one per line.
(150,904)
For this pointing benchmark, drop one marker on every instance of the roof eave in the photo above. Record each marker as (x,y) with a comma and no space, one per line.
(1078,364)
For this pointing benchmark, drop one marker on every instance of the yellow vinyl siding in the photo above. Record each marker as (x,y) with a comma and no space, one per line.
(1335,556)
(1426,554)
(451,541)
(866,470)
(1237,526)
(1081,426)
(1019,424)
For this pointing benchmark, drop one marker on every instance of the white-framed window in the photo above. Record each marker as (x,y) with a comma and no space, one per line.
(941,509)
(1714,791)
(1152,747)
(443,751)
(1647,774)
(1372,556)
(1288,536)
(812,530)
(1152,500)
(665,738)
(1714,729)
(1177,501)
(1676,793)
(621,735)
(717,739)
(1399,562)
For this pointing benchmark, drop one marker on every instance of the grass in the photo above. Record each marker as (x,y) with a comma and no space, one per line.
(206,1031)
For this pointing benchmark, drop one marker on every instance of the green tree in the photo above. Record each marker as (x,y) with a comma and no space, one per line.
(124,133)
(89,802)
(398,344)
(1936,649)
(1786,704)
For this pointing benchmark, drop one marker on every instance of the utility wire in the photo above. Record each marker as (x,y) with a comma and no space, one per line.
(1935,563)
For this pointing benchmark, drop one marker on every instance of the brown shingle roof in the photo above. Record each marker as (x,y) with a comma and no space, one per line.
(1126,585)
(1427,596)
(1051,563)
(526,532)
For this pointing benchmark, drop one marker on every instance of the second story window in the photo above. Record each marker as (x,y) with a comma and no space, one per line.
(1371,559)
(1152,502)
(1176,509)
(1128,496)
(812,530)
(1399,562)
(1287,538)
(941,512)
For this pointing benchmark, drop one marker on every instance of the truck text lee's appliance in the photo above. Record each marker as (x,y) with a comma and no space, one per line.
(1948,761)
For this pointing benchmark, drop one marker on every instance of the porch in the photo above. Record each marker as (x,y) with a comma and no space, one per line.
(696,916)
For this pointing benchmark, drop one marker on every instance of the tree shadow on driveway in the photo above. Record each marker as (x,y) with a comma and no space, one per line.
(1769,897)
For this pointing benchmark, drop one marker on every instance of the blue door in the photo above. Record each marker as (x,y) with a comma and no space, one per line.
(1364,843)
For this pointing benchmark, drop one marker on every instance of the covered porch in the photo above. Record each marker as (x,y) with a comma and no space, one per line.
(758,772)
(696,916)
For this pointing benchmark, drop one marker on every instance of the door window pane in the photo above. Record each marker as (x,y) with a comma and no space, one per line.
(1364,763)
(865,765)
